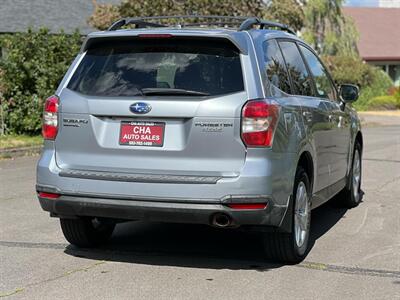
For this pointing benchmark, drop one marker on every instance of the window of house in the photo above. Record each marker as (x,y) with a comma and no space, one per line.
(394,73)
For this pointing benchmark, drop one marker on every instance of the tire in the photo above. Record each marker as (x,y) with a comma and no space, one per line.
(350,196)
(86,232)
(289,247)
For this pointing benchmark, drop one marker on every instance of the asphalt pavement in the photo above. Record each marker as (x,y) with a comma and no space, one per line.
(355,253)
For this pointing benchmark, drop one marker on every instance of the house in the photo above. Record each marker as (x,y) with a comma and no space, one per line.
(379,42)
(69,15)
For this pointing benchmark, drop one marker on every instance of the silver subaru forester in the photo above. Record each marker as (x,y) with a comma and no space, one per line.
(235,126)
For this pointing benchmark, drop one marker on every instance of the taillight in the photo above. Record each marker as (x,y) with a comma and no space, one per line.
(259,120)
(50,118)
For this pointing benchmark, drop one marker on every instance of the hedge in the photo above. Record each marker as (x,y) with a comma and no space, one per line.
(32,66)
(34,63)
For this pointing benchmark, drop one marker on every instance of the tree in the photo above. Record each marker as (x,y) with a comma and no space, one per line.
(285,11)
(104,15)
(327,29)
(32,67)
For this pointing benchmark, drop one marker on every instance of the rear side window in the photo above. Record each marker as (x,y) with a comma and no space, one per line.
(137,66)
(301,80)
(275,66)
(323,84)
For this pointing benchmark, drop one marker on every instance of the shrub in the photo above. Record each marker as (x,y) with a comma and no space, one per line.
(384,102)
(350,69)
(32,67)
(372,81)
(379,86)
(397,94)
(395,91)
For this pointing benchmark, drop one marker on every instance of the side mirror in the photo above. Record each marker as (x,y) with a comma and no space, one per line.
(348,93)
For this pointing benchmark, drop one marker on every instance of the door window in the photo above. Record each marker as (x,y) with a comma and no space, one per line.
(275,66)
(323,84)
(301,80)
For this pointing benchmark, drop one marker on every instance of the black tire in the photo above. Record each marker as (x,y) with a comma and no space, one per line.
(282,247)
(86,232)
(349,197)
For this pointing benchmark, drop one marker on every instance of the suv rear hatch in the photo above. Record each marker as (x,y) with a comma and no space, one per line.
(154,105)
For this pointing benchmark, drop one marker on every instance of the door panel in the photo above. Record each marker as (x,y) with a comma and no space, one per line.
(337,122)
(341,127)
(320,133)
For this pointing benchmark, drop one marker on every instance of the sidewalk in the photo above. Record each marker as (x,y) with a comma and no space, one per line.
(380,118)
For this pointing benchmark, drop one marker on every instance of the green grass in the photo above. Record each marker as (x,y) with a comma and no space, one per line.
(16,141)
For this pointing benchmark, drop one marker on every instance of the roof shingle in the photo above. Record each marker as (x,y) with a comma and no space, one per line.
(379,30)
(18,15)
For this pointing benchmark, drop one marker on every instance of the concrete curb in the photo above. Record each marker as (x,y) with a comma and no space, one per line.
(387,113)
(17,152)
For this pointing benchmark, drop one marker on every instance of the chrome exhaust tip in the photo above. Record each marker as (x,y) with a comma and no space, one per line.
(221,220)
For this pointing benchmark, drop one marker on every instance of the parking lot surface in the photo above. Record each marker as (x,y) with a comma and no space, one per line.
(355,253)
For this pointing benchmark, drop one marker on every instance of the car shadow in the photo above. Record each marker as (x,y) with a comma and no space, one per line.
(325,217)
(197,246)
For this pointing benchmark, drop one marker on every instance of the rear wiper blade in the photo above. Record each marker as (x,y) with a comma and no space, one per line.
(169,91)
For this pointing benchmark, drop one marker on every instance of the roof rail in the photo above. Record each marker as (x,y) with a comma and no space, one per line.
(243,23)
(142,22)
(251,22)
(138,22)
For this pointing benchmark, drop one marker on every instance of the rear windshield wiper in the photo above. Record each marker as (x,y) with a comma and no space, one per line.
(169,91)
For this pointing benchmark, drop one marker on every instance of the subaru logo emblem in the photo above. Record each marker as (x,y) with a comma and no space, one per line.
(140,108)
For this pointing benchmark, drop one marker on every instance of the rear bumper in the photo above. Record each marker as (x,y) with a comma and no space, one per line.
(262,180)
(67,206)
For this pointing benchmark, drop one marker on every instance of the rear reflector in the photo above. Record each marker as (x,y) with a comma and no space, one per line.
(49,195)
(247,205)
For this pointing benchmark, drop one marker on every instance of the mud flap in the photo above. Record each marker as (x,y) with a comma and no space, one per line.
(287,221)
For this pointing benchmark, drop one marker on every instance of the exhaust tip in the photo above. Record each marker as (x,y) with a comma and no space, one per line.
(221,220)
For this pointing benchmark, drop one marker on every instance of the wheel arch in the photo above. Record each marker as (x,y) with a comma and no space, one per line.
(307,163)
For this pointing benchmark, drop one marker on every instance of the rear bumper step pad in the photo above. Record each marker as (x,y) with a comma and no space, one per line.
(129,177)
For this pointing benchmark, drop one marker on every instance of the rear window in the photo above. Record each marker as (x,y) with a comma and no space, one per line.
(136,66)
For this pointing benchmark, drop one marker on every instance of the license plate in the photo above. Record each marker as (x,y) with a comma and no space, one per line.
(142,134)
